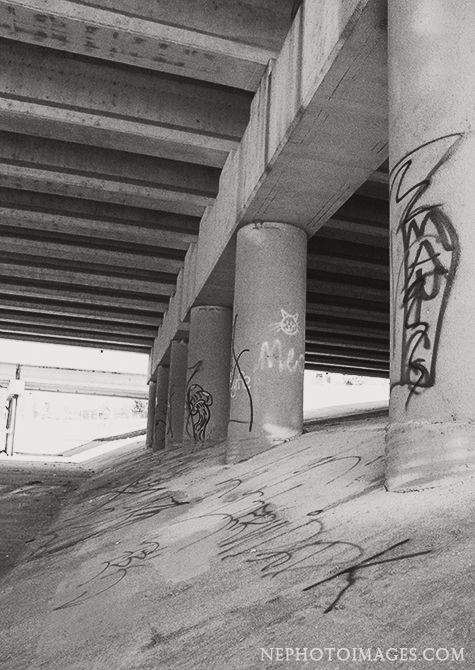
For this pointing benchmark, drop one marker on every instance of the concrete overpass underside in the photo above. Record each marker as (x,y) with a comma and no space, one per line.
(114,130)
(196,179)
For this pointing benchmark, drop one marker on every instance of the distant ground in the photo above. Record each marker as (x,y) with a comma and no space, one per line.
(56,436)
(181,563)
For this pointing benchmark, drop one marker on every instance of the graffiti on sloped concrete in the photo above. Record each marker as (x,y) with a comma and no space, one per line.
(113,571)
(136,502)
(351,573)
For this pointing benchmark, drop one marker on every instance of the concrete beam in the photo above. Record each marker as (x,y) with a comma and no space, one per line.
(346,266)
(77,280)
(318,128)
(347,290)
(23,305)
(64,168)
(227,41)
(107,216)
(347,326)
(330,339)
(327,130)
(56,95)
(105,328)
(80,252)
(16,218)
(76,297)
(94,339)
(333,352)
(334,309)
(339,229)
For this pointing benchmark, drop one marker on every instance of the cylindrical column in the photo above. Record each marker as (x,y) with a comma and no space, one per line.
(431,435)
(268,340)
(150,414)
(207,389)
(176,394)
(161,401)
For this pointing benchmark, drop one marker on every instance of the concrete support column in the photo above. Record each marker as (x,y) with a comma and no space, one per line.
(207,390)
(161,401)
(150,414)
(176,394)
(431,435)
(268,340)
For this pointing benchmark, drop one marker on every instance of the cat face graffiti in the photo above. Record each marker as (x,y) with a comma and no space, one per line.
(287,325)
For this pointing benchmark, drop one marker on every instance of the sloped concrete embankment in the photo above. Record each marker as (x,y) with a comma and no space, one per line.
(167,561)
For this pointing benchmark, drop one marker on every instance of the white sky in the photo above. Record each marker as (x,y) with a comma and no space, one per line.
(63,356)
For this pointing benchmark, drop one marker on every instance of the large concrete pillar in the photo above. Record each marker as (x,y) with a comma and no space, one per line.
(431,435)
(150,414)
(268,341)
(161,401)
(207,389)
(176,394)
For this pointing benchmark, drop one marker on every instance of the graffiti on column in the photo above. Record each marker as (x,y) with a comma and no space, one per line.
(272,356)
(198,403)
(427,242)
(171,394)
(238,379)
(288,324)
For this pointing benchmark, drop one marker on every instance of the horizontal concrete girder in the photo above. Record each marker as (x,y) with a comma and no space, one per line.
(338,325)
(318,129)
(20,219)
(60,96)
(65,168)
(60,322)
(24,305)
(350,342)
(62,277)
(78,296)
(229,42)
(347,290)
(94,339)
(88,254)
(332,352)
(346,266)
(105,215)
(357,313)
(360,359)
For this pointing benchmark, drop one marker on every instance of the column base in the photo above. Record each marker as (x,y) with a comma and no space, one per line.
(190,447)
(422,454)
(243,449)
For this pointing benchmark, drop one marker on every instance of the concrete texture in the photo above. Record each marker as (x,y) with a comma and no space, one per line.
(432,407)
(152,391)
(268,341)
(317,130)
(228,42)
(176,394)
(207,388)
(162,561)
(160,407)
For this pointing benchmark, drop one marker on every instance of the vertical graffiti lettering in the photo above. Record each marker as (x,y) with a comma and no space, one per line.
(427,242)
(198,402)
